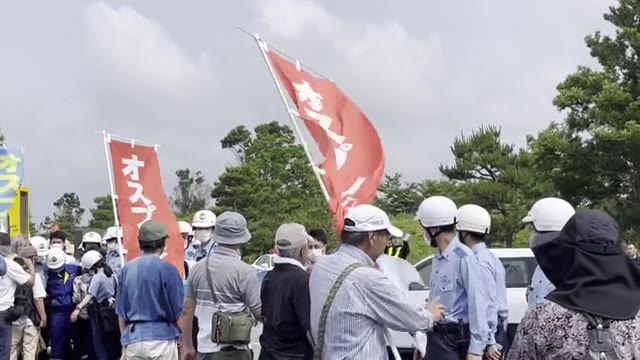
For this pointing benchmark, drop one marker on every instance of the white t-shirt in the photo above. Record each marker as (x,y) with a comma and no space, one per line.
(15,276)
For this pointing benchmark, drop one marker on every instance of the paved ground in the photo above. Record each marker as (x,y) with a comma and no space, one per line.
(255,343)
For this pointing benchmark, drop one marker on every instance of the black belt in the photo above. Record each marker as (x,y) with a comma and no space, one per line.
(451,329)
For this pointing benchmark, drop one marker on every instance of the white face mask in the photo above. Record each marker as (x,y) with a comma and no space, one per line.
(112,246)
(315,254)
(202,235)
(57,246)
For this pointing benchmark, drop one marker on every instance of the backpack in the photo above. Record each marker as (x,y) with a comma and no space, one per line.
(23,305)
(600,339)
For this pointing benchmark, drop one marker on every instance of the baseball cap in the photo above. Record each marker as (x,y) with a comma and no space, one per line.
(368,218)
(151,231)
(28,252)
(291,236)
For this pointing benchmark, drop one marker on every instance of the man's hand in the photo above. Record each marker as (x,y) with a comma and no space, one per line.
(74,315)
(43,323)
(493,353)
(474,357)
(188,352)
(436,309)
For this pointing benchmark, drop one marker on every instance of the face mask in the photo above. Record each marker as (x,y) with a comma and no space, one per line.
(57,246)
(315,254)
(429,240)
(202,235)
(112,246)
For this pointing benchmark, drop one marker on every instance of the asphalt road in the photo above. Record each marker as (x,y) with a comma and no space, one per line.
(255,343)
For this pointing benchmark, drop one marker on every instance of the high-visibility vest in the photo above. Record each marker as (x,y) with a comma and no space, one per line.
(390,251)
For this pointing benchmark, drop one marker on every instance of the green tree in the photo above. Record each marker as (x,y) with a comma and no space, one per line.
(397,197)
(102,213)
(271,184)
(592,157)
(496,177)
(191,193)
(68,214)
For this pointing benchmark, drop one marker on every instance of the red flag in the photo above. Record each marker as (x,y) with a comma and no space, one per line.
(354,159)
(140,197)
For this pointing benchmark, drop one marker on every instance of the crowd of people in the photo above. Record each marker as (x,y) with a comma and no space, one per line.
(584,298)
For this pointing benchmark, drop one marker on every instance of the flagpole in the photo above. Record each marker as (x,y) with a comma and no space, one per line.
(106,139)
(263,50)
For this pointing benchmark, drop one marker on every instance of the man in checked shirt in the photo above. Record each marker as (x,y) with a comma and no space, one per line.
(353,323)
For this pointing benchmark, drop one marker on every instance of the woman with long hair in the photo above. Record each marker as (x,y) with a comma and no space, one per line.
(99,301)
(593,313)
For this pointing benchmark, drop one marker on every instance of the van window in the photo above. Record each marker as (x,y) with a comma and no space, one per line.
(518,271)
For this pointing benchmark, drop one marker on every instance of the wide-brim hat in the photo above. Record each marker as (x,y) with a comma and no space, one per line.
(231,229)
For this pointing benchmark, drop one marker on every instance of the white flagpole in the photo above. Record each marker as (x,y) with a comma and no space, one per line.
(106,140)
(263,50)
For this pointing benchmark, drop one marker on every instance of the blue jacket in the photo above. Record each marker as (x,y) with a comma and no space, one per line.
(60,286)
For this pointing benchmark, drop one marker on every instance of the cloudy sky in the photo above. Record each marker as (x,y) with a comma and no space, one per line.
(181,76)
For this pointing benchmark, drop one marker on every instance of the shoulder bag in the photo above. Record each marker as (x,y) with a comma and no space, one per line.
(319,348)
(228,327)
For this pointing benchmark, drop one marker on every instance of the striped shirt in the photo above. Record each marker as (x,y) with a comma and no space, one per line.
(365,306)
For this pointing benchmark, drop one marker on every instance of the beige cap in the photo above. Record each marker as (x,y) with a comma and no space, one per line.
(291,236)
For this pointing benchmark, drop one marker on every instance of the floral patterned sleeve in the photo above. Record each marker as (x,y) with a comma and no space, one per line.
(524,346)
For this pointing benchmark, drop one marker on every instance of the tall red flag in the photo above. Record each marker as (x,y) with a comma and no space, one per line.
(140,197)
(353,156)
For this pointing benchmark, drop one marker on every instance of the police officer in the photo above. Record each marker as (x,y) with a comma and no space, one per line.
(113,254)
(547,216)
(473,225)
(92,241)
(187,236)
(203,223)
(456,282)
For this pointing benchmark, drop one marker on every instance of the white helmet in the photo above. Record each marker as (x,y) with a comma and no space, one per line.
(185,227)
(473,218)
(40,244)
(91,237)
(111,233)
(549,214)
(204,219)
(437,211)
(90,258)
(56,258)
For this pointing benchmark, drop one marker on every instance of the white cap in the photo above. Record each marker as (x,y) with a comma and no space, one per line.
(40,244)
(56,258)
(185,227)
(204,219)
(90,258)
(437,211)
(112,233)
(91,237)
(368,218)
(473,218)
(549,214)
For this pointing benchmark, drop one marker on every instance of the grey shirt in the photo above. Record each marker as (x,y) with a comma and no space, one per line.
(236,290)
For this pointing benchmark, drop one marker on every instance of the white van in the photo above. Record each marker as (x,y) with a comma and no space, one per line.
(519,265)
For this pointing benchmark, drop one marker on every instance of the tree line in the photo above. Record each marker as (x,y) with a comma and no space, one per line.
(590,159)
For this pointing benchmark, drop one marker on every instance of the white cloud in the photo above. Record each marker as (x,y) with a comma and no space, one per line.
(378,63)
(138,55)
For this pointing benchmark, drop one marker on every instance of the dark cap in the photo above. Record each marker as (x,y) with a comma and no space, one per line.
(152,231)
(28,252)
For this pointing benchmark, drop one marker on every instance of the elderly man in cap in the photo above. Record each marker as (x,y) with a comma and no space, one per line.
(285,298)
(222,287)
(13,276)
(149,299)
(353,303)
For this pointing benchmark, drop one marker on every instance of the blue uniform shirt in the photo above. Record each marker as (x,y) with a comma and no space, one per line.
(540,287)
(205,250)
(113,260)
(102,287)
(494,280)
(190,253)
(456,279)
